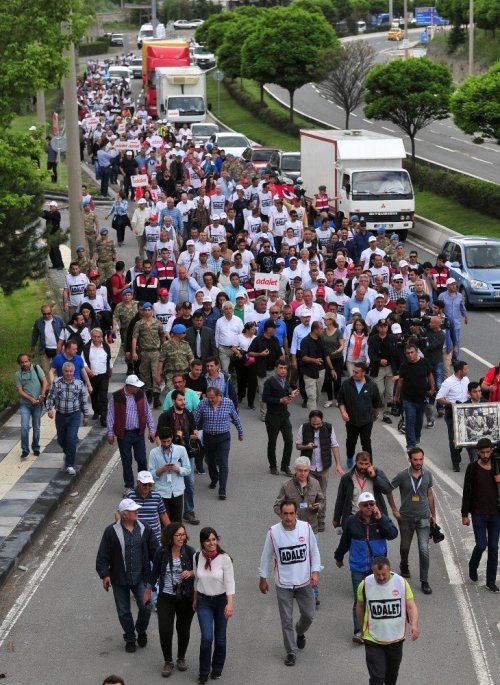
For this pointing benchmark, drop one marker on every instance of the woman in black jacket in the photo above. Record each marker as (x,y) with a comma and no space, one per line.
(173,570)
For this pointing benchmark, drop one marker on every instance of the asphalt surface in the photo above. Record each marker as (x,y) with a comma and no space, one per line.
(442,142)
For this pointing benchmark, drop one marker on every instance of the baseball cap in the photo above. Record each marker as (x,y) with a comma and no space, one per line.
(222,215)
(225,261)
(146,305)
(215,217)
(303,311)
(450,280)
(371,239)
(179,328)
(383,322)
(329,315)
(403,262)
(355,310)
(293,257)
(400,244)
(93,274)
(366,497)
(398,277)
(396,328)
(320,292)
(276,197)
(133,380)
(377,297)
(190,242)
(145,477)
(207,299)
(354,217)
(103,230)
(128,505)
(241,294)
(280,260)
(362,222)
(240,187)
(53,204)
(186,304)
(163,292)
(204,251)
(141,201)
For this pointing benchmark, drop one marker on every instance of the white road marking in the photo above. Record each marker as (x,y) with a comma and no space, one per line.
(476,356)
(368,121)
(386,128)
(455,574)
(448,149)
(484,161)
(353,114)
(492,316)
(48,562)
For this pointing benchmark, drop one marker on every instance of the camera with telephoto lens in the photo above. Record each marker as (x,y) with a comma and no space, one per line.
(435,534)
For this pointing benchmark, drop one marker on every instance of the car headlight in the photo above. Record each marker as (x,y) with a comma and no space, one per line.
(478,285)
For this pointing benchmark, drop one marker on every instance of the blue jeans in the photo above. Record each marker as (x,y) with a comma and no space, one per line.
(30,414)
(414,419)
(213,626)
(132,442)
(67,426)
(189,491)
(486,533)
(217,447)
(357,577)
(121,594)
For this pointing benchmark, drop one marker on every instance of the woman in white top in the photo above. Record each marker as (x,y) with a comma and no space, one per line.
(356,348)
(213,602)
(245,366)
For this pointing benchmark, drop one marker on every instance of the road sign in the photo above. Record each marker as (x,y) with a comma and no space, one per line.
(217,75)
(405,44)
(58,143)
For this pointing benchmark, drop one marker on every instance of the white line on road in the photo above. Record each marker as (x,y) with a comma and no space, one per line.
(478,159)
(492,316)
(476,356)
(386,128)
(368,121)
(62,539)
(353,114)
(448,149)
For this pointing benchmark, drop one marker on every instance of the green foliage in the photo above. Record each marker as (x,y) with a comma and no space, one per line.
(21,199)
(328,8)
(264,55)
(230,43)
(171,10)
(487,14)
(475,105)
(98,47)
(469,192)
(411,93)
(211,32)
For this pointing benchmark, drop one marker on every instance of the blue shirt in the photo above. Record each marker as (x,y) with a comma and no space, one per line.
(218,419)
(454,308)
(176,218)
(171,483)
(280,330)
(60,359)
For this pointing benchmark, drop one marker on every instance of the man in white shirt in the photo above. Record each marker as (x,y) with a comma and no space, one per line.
(74,288)
(97,356)
(371,250)
(217,201)
(453,390)
(379,312)
(189,258)
(98,303)
(278,218)
(315,310)
(252,223)
(265,201)
(163,310)
(227,330)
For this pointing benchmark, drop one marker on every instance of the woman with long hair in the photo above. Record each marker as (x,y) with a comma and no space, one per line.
(356,348)
(173,570)
(245,365)
(213,602)
(333,342)
(119,210)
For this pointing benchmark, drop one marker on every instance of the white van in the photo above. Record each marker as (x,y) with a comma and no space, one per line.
(361,26)
(146,31)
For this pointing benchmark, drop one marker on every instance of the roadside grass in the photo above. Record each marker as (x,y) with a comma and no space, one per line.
(19,312)
(253,89)
(432,206)
(486,48)
(454,215)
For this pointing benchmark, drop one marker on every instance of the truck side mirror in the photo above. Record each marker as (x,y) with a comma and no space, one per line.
(162,107)
(347,189)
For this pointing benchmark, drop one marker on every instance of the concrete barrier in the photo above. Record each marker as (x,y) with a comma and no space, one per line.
(429,234)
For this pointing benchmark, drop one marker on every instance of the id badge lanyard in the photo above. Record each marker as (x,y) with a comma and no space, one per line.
(168,460)
(415,497)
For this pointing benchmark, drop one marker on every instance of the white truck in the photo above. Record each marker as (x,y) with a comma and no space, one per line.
(363,175)
(181,94)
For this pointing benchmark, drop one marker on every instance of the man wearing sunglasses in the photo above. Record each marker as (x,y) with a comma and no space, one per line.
(364,537)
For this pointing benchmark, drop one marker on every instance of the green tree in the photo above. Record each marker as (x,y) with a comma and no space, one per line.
(21,199)
(345,83)
(266,59)
(410,93)
(457,11)
(326,7)
(475,105)
(229,50)
(211,32)
(487,14)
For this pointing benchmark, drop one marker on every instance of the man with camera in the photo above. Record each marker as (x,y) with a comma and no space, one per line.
(480,499)
(415,514)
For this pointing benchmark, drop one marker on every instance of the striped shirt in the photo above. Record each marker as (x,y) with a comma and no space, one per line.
(131,415)
(152,507)
(217,419)
(68,398)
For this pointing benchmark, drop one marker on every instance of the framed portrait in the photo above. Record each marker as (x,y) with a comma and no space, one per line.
(474,421)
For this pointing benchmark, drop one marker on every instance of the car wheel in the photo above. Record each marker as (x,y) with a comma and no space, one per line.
(463,292)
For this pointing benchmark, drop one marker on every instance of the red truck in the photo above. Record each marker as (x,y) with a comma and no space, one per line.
(160,53)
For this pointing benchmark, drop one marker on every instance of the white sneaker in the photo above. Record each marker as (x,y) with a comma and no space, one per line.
(70,471)
(328,404)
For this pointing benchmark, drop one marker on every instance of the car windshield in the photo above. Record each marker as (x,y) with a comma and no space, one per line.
(232,141)
(483,256)
(262,155)
(381,185)
(203,130)
(290,163)
(186,105)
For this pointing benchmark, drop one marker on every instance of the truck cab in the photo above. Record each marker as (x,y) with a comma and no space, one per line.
(181,93)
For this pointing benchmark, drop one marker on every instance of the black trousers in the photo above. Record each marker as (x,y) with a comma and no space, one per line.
(276,424)
(247,382)
(455,454)
(174,507)
(170,608)
(364,433)
(383,662)
(56,257)
(99,395)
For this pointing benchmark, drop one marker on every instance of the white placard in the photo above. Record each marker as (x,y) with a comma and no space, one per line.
(266,282)
(156,141)
(121,145)
(122,128)
(91,121)
(139,180)
(134,145)
(173,114)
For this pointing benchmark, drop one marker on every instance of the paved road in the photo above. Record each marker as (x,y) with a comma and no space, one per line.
(59,605)
(442,142)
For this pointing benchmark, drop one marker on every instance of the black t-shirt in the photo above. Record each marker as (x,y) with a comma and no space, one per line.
(414,377)
(266,260)
(199,385)
(267,363)
(485,500)
(309,347)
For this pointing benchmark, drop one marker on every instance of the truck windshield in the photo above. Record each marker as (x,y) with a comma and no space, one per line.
(187,105)
(381,185)
(483,256)
(204,129)
(290,163)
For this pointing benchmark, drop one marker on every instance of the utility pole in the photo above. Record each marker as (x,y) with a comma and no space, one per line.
(154,18)
(73,153)
(471,37)
(40,108)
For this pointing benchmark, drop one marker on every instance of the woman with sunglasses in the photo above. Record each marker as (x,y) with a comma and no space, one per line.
(173,570)
(213,602)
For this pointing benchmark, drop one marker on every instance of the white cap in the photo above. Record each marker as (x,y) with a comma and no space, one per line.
(365,497)
(241,293)
(190,242)
(133,380)
(32,128)
(280,260)
(207,298)
(402,263)
(142,201)
(371,239)
(396,328)
(450,280)
(223,215)
(240,187)
(398,277)
(276,197)
(215,217)
(128,505)
(145,477)
(321,276)
(53,204)
(303,311)
(355,310)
